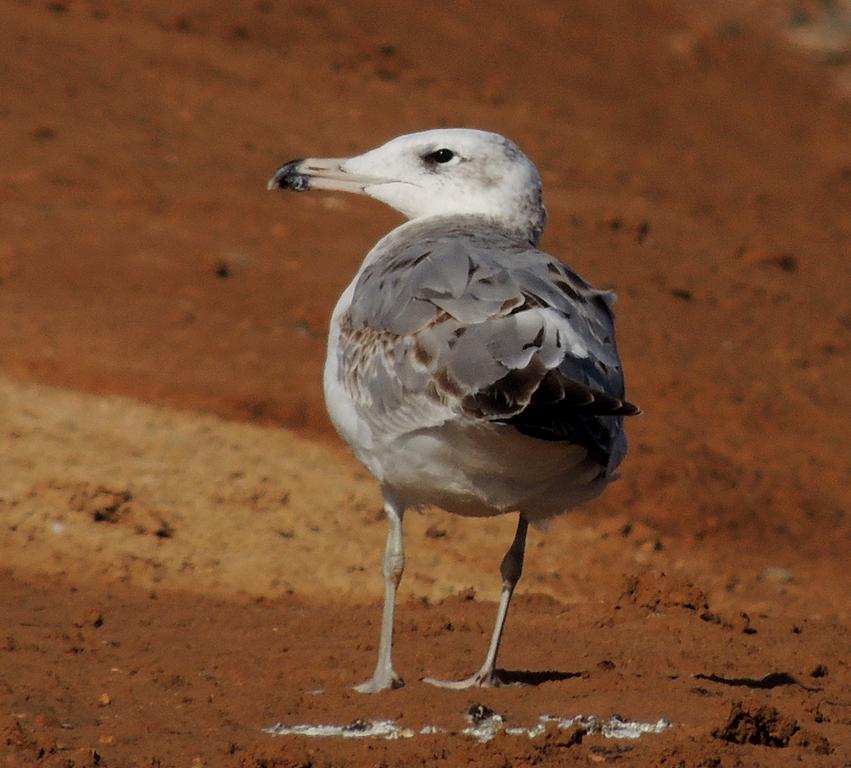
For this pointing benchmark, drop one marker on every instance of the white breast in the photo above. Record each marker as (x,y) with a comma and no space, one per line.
(344,416)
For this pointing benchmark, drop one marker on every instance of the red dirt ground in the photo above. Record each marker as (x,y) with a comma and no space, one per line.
(694,158)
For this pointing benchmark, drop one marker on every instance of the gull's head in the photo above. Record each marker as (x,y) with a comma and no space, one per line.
(451,171)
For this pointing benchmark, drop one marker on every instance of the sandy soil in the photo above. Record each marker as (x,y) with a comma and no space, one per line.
(188,555)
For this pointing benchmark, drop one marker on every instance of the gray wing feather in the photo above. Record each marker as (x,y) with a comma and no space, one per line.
(472,323)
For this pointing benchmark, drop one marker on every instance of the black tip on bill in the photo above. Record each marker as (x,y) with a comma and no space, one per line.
(288,177)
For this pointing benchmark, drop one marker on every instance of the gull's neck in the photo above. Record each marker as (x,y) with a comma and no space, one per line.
(519,210)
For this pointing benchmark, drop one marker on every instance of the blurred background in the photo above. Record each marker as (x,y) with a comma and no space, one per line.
(695,157)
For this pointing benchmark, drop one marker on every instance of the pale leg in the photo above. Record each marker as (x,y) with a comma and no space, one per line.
(384,676)
(511,569)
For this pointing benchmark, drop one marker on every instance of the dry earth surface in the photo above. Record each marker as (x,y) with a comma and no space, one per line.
(187,553)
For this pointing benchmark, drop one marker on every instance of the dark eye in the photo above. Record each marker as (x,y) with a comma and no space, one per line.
(439,156)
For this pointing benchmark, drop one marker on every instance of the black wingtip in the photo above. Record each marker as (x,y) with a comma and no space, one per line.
(289,177)
(606,405)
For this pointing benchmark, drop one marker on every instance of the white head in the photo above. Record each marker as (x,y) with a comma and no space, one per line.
(451,171)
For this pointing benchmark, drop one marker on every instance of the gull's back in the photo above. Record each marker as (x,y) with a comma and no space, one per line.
(470,370)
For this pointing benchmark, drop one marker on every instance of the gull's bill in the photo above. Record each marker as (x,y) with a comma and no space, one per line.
(328,173)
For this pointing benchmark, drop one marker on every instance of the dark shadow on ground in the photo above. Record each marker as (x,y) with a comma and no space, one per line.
(772,680)
(529,677)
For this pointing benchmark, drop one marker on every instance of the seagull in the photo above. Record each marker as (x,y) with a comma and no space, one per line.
(466,368)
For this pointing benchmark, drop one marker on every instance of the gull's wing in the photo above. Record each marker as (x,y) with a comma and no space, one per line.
(475,325)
